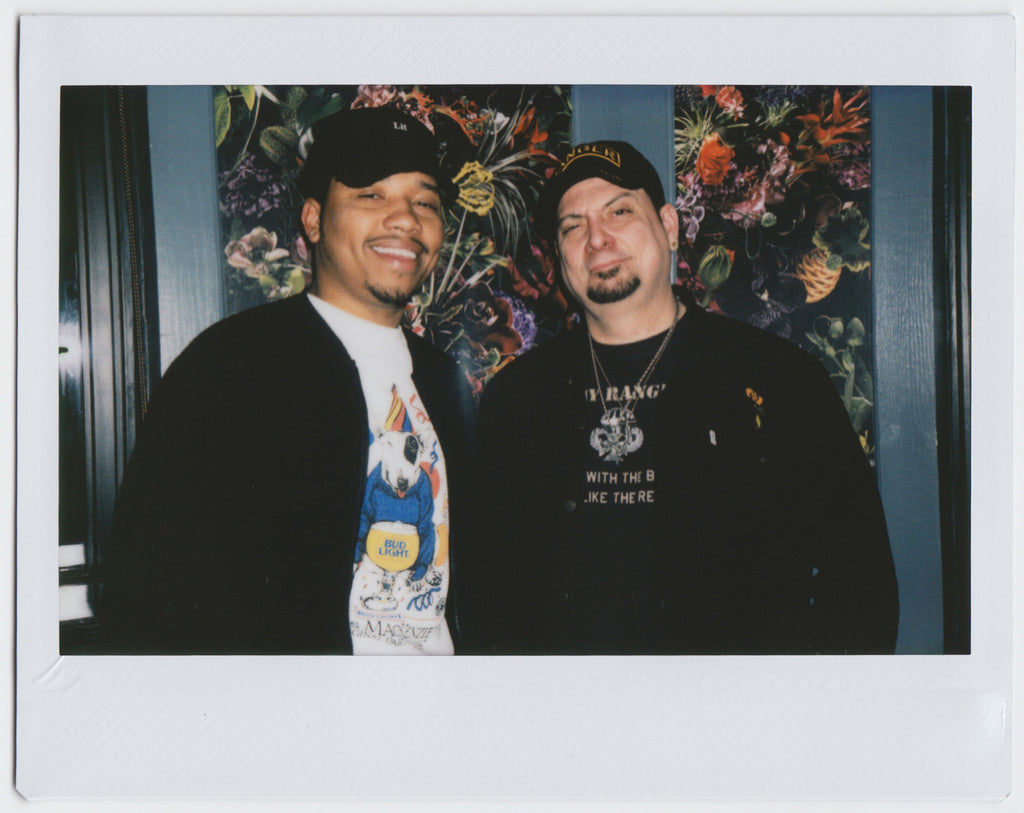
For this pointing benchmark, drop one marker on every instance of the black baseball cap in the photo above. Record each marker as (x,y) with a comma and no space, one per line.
(617,162)
(359,147)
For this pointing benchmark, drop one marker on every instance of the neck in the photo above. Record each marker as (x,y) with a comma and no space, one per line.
(624,323)
(380,314)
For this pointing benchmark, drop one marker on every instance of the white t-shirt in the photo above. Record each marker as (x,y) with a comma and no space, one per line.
(400,573)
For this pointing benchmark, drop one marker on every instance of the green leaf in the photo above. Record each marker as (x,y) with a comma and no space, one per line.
(267,282)
(835,329)
(815,339)
(715,267)
(859,410)
(315,107)
(865,383)
(296,279)
(855,332)
(221,114)
(248,95)
(278,144)
(846,359)
(845,236)
(291,104)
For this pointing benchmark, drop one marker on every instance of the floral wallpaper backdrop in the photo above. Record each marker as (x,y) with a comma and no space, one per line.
(773,195)
(493,294)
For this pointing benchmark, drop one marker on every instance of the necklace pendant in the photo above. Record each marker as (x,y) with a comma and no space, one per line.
(617,436)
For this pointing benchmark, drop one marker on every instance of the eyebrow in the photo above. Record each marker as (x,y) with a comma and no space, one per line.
(623,194)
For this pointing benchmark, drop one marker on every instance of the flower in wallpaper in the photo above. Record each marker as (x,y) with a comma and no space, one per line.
(492,295)
(773,195)
(257,256)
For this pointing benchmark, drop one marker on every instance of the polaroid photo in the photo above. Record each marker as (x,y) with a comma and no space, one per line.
(841,182)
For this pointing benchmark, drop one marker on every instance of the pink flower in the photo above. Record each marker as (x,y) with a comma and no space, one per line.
(780,170)
(254,252)
(300,257)
(749,211)
(767,191)
(374,95)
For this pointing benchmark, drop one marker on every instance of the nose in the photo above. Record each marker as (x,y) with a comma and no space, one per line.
(401,216)
(597,237)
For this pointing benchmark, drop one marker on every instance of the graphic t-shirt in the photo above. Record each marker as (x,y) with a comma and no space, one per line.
(400,570)
(615,592)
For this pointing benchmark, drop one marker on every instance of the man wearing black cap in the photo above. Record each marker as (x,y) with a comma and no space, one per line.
(681,482)
(295,485)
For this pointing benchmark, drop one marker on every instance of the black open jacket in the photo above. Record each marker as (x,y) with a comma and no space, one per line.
(773,539)
(235,527)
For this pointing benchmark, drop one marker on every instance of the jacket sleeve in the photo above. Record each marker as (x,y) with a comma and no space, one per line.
(854,599)
(492,576)
(158,570)
(135,584)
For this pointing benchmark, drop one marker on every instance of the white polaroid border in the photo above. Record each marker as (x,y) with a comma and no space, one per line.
(898,727)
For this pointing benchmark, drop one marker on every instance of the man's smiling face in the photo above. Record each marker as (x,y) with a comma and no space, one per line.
(614,245)
(375,245)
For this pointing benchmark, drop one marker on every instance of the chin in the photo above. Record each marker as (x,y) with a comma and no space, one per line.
(614,292)
(399,297)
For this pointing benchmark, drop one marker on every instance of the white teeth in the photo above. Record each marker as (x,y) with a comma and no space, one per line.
(398,252)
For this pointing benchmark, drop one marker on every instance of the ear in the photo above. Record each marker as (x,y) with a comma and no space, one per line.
(311,219)
(670,220)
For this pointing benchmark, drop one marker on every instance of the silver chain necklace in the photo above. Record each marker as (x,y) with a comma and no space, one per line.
(618,435)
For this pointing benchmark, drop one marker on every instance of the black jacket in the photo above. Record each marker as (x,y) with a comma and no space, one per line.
(772,539)
(235,528)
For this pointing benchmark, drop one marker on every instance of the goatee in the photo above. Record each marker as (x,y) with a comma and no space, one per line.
(397,298)
(616,292)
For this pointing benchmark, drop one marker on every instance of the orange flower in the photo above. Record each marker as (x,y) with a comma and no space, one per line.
(713,160)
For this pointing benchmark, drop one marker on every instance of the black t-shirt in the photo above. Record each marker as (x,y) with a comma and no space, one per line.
(615,588)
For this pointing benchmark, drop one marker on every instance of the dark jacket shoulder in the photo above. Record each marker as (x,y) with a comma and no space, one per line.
(275,328)
(717,334)
(556,359)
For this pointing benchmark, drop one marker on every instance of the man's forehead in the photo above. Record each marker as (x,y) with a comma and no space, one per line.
(595,191)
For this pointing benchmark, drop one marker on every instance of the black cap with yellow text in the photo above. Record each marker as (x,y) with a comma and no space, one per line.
(617,162)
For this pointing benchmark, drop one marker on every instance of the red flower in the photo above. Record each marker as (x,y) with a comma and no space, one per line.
(530,128)
(726,96)
(730,100)
(539,289)
(844,124)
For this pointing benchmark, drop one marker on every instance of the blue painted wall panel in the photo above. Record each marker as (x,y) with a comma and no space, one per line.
(903,268)
(183,161)
(643,115)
